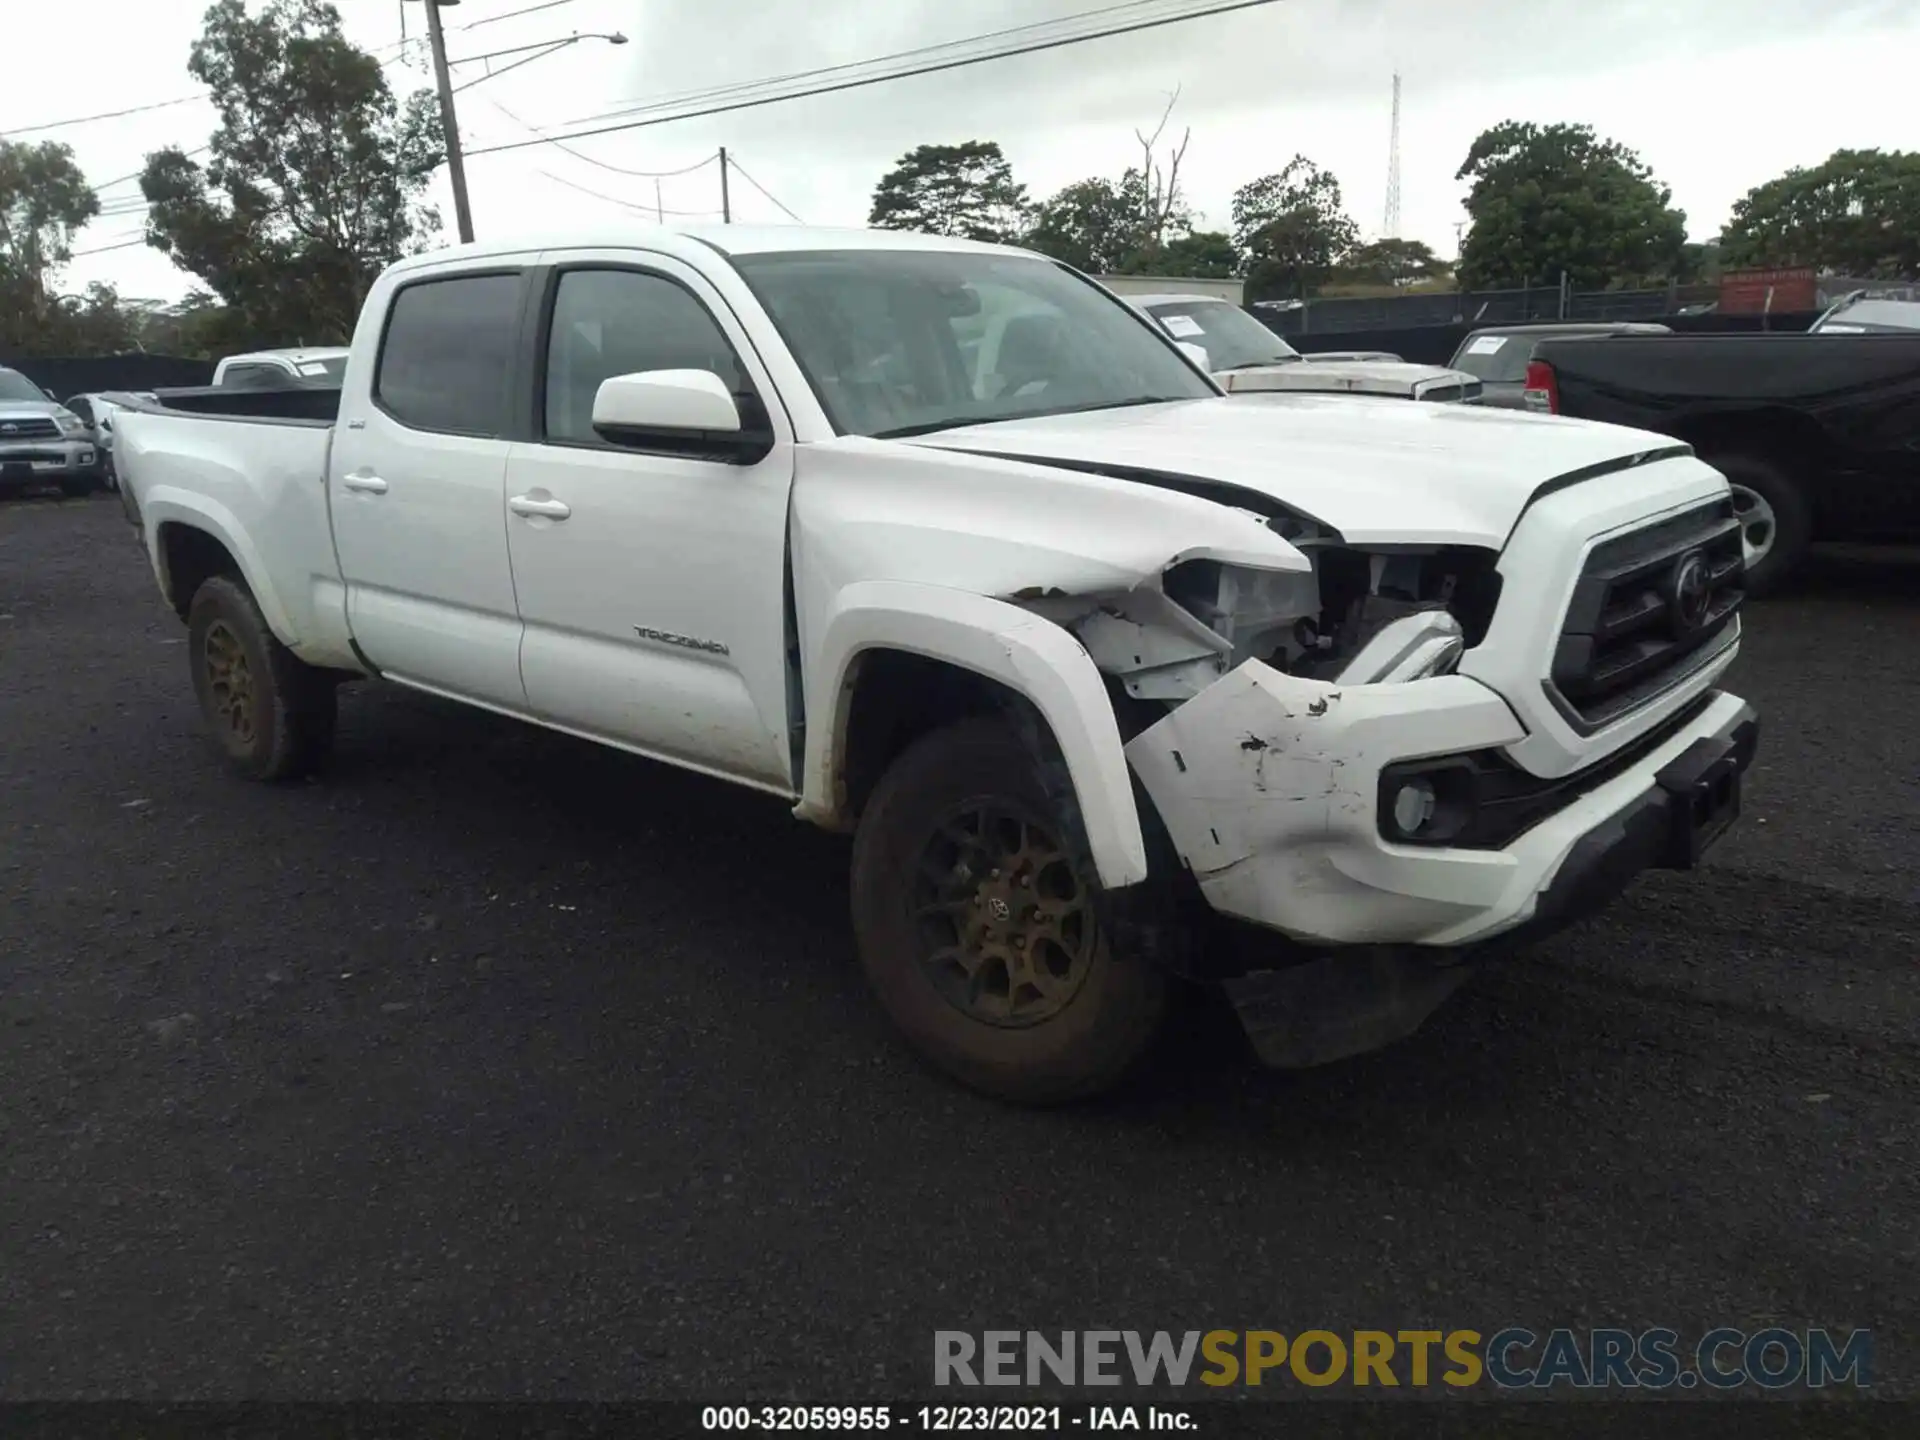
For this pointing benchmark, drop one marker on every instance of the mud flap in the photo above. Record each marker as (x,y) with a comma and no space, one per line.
(1341,1005)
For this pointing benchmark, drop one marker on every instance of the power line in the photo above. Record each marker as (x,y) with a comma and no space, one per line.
(103,115)
(690,96)
(103,249)
(1218,7)
(628,204)
(512,14)
(604,165)
(741,170)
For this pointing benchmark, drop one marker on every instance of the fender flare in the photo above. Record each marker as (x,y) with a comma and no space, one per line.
(1030,656)
(166,504)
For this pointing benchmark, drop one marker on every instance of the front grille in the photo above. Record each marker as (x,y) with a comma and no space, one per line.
(29,427)
(1650,608)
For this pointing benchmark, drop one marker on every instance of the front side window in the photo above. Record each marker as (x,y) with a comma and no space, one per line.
(907,342)
(1232,338)
(621,322)
(447,357)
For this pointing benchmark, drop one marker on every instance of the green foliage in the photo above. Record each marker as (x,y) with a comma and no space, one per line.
(965,190)
(316,171)
(1197,255)
(1392,262)
(1554,198)
(1093,225)
(44,198)
(1291,230)
(1856,213)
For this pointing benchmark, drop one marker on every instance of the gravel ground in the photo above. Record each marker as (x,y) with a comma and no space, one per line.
(500,1065)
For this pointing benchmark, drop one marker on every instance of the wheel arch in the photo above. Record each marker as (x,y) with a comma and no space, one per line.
(896,659)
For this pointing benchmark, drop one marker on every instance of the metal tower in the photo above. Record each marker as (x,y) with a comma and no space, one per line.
(1390,229)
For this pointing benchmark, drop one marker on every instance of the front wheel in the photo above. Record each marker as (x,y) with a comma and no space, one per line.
(272,715)
(979,923)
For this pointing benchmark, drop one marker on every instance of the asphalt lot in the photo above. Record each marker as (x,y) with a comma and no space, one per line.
(498,1065)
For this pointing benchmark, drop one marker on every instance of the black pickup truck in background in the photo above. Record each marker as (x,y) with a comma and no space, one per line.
(1819,434)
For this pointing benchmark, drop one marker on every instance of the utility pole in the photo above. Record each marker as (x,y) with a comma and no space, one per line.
(449,123)
(726,206)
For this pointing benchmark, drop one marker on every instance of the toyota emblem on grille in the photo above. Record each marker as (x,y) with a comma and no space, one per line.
(9,429)
(1690,592)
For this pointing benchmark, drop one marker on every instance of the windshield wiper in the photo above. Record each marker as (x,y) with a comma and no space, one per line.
(1260,364)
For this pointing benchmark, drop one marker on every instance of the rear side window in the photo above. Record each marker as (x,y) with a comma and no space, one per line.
(1496,359)
(447,356)
(252,377)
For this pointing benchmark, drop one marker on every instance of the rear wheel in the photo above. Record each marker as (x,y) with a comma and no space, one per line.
(272,715)
(1776,523)
(980,923)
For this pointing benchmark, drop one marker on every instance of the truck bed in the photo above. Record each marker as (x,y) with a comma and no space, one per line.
(1645,380)
(258,482)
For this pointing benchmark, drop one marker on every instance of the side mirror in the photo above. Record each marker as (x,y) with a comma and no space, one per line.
(1197,354)
(672,400)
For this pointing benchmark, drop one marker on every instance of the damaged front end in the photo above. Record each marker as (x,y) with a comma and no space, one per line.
(1265,706)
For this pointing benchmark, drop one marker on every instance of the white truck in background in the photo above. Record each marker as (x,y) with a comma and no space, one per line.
(1082,652)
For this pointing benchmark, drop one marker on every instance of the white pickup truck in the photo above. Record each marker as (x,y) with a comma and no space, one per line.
(955,550)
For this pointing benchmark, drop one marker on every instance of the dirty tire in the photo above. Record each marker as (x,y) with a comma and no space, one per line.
(1113,1010)
(1792,518)
(271,715)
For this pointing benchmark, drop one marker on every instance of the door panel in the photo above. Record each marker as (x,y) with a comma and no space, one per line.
(654,611)
(418,506)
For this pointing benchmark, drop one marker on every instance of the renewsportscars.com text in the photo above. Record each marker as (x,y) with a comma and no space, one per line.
(1510,1358)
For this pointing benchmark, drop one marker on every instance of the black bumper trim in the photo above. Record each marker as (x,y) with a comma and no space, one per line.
(1605,860)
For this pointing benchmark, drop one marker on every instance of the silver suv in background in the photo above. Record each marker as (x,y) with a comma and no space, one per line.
(1498,355)
(42,443)
(1248,358)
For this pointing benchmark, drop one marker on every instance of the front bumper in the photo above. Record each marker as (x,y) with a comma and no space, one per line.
(1269,785)
(24,462)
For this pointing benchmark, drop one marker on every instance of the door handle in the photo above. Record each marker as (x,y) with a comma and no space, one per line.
(370,484)
(551,509)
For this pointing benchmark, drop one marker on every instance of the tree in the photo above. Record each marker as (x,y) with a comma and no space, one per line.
(44,198)
(1290,230)
(1197,255)
(1157,190)
(1093,225)
(966,190)
(315,176)
(1856,213)
(1559,198)
(1393,261)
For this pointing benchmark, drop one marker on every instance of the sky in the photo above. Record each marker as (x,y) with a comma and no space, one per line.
(1717,96)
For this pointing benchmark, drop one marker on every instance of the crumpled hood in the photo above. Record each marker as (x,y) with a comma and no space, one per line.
(1377,471)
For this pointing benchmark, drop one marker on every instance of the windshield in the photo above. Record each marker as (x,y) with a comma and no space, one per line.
(15,386)
(1496,359)
(1872,317)
(907,342)
(1232,338)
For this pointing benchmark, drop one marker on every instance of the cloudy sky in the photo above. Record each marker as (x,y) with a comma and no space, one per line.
(1717,96)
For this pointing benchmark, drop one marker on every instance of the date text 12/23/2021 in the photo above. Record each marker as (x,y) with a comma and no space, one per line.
(948,1419)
